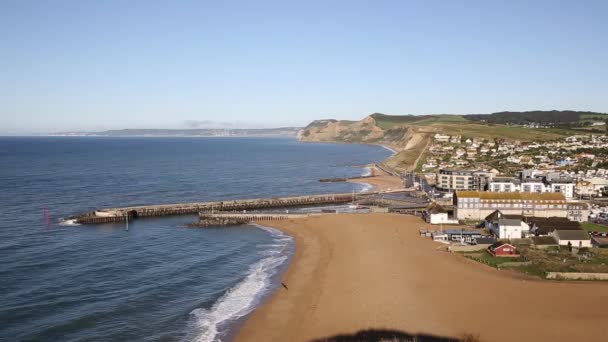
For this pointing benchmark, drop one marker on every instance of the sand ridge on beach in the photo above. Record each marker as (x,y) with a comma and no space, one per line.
(354,272)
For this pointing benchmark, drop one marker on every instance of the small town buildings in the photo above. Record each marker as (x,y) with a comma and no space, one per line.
(442,138)
(484,240)
(574,238)
(461,235)
(509,229)
(544,226)
(543,242)
(577,211)
(439,236)
(503,249)
(533,185)
(504,184)
(476,205)
(451,180)
(506,226)
(584,189)
(437,214)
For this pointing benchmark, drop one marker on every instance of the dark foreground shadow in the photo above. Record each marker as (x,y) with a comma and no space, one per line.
(387,335)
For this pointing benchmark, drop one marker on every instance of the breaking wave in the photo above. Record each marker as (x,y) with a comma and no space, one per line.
(209,325)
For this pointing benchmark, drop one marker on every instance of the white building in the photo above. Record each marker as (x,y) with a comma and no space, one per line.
(504,184)
(576,238)
(566,188)
(506,226)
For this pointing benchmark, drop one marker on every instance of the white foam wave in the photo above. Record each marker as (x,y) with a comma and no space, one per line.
(390,149)
(69,223)
(242,298)
(365,187)
(367,172)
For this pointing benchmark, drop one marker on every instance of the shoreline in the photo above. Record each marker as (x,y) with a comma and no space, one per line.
(384,285)
(274,284)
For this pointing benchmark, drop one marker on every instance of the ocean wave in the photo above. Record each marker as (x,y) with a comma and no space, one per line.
(68,223)
(367,171)
(365,187)
(244,296)
(390,149)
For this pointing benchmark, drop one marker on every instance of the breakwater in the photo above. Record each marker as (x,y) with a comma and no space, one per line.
(111,215)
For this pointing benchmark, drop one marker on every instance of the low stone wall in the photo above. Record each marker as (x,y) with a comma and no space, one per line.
(577,276)
(468,248)
(514,264)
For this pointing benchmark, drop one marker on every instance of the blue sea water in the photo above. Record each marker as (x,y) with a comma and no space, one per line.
(158,281)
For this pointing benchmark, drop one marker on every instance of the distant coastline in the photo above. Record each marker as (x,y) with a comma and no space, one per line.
(195,132)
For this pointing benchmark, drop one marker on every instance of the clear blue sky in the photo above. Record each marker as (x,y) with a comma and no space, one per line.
(69,65)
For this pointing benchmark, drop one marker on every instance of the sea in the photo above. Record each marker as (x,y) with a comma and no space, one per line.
(158,280)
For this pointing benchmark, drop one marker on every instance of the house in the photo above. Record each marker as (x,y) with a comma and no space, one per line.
(442,138)
(504,184)
(543,242)
(483,241)
(584,188)
(503,249)
(577,211)
(543,226)
(461,235)
(439,236)
(599,241)
(509,229)
(574,238)
(436,214)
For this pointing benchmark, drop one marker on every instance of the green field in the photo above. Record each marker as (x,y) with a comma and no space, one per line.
(594,227)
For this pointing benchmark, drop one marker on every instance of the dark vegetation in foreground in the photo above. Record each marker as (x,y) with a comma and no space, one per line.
(389,335)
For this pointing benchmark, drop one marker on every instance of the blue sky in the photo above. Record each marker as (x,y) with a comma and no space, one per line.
(89,65)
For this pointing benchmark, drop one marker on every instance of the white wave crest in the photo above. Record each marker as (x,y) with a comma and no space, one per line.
(244,296)
(69,223)
(365,187)
(367,171)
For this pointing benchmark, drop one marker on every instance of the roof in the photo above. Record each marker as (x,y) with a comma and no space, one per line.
(572,234)
(436,208)
(509,222)
(545,225)
(505,180)
(466,232)
(495,215)
(544,240)
(601,241)
(498,244)
(485,240)
(544,196)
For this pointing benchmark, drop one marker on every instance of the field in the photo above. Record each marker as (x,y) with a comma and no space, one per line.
(594,227)
(538,262)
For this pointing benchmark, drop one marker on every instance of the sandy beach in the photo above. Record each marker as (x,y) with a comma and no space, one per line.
(380,181)
(354,272)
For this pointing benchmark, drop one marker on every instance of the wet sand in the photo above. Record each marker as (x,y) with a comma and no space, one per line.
(380,181)
(353,272)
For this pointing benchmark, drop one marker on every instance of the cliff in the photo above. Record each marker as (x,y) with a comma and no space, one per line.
(393,131)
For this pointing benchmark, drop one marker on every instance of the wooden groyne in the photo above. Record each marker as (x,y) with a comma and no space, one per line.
(111,215)
(342,179)
(234,219)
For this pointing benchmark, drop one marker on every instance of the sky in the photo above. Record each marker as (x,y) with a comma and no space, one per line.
(96,65)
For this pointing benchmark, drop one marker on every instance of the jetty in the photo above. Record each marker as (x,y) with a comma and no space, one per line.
(111,215)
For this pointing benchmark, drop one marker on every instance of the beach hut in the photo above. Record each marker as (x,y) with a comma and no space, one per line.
(503,249)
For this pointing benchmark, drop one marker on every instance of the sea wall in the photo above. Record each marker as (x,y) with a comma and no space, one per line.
(577,276)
